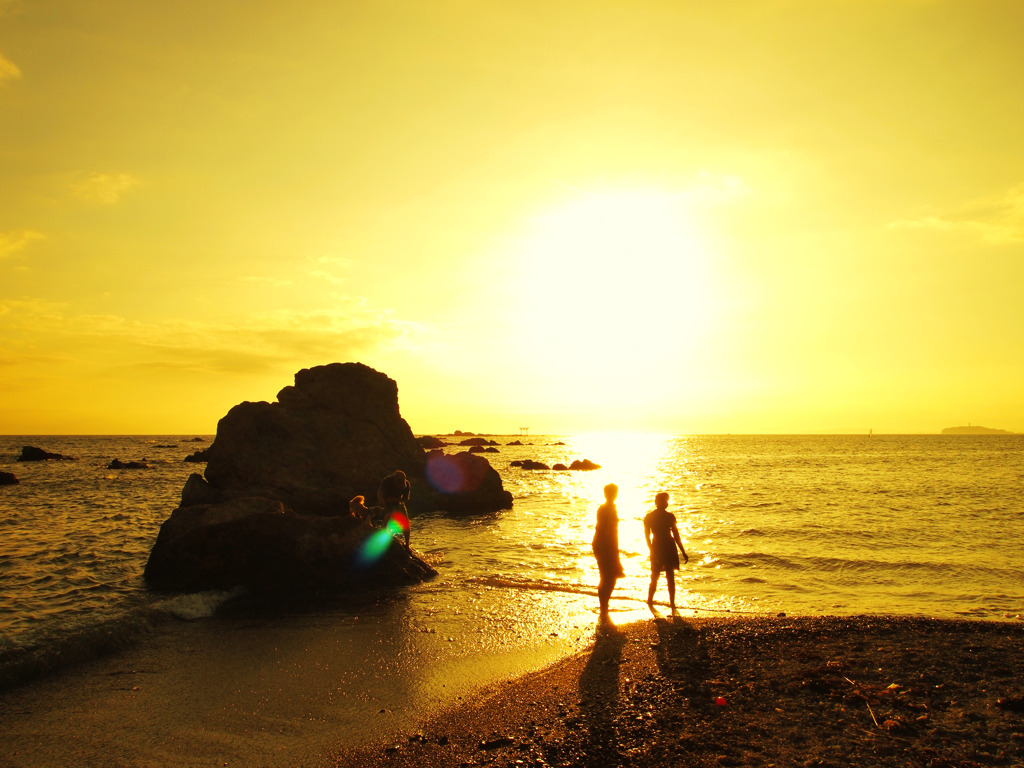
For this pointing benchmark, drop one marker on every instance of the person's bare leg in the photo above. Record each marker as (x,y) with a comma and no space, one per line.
(604,593)
(654,586)
(670,577)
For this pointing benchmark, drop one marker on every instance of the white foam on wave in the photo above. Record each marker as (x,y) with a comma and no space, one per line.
(197,605)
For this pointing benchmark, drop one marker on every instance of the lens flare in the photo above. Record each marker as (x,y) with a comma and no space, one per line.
(398,524)
(378,542)
(373,548)
(445,474)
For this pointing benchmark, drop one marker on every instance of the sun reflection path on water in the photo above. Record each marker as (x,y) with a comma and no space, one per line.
(641,465)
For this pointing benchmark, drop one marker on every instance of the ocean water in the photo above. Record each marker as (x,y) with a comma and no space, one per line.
(96,670)
(802,525)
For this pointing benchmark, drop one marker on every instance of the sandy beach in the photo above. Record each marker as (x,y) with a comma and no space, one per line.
(660,691)
(865,691)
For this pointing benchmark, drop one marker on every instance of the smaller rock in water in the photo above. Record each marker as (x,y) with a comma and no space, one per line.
(32,453)
(118,464)
(6,478)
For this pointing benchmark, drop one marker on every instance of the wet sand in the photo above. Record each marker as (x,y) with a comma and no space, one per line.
(274,688)
(866,691)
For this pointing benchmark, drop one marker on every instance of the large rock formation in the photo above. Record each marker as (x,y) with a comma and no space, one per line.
(272,509)
(333,435)
(262,545)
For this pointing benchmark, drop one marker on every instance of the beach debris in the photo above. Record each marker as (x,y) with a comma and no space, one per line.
(721,702)
(1011,703)
(501,741)
(872,713)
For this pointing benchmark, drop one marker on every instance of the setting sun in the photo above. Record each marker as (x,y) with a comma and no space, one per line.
(612,289)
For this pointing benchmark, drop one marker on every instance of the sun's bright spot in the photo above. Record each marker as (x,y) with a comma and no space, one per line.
(612,286)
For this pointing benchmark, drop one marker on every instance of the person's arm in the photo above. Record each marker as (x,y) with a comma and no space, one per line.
(647,532)
(679,541)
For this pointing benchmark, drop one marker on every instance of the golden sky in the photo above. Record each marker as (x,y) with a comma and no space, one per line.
(678,216)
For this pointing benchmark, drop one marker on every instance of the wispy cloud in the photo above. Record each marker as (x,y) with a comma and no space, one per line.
(271,282)
(998,220)
(327,277)
(257,345)
(12,242)
(8,69)
(104,188)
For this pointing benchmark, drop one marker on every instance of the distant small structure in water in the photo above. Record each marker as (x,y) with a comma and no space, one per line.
(524,431)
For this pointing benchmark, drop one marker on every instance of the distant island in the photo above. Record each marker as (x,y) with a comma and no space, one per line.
(972,430)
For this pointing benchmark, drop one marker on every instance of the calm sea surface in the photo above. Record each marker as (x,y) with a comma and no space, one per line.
(915,525)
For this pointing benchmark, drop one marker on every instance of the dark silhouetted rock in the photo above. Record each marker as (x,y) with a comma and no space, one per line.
(559,467)
(331,436)
(198,457)
(491,449)
(6,478)
(475,441)
(118,464)
(197,491)
(585,465)
(477,449)
(262,545)
(278,481)
(428,442)
(466,484)
(31,453)
(530,464)
(514,442)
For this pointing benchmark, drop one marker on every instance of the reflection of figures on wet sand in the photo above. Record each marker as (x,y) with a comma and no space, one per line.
(606,546)
(662,537)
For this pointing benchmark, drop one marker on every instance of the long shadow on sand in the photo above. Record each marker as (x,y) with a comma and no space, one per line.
(617,710)
(599,693)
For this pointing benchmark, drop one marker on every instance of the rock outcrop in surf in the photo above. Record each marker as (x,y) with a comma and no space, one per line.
(271,512)
(33,453)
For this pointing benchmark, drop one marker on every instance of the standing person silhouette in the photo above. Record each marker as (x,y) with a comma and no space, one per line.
(662,536)
(606,546)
